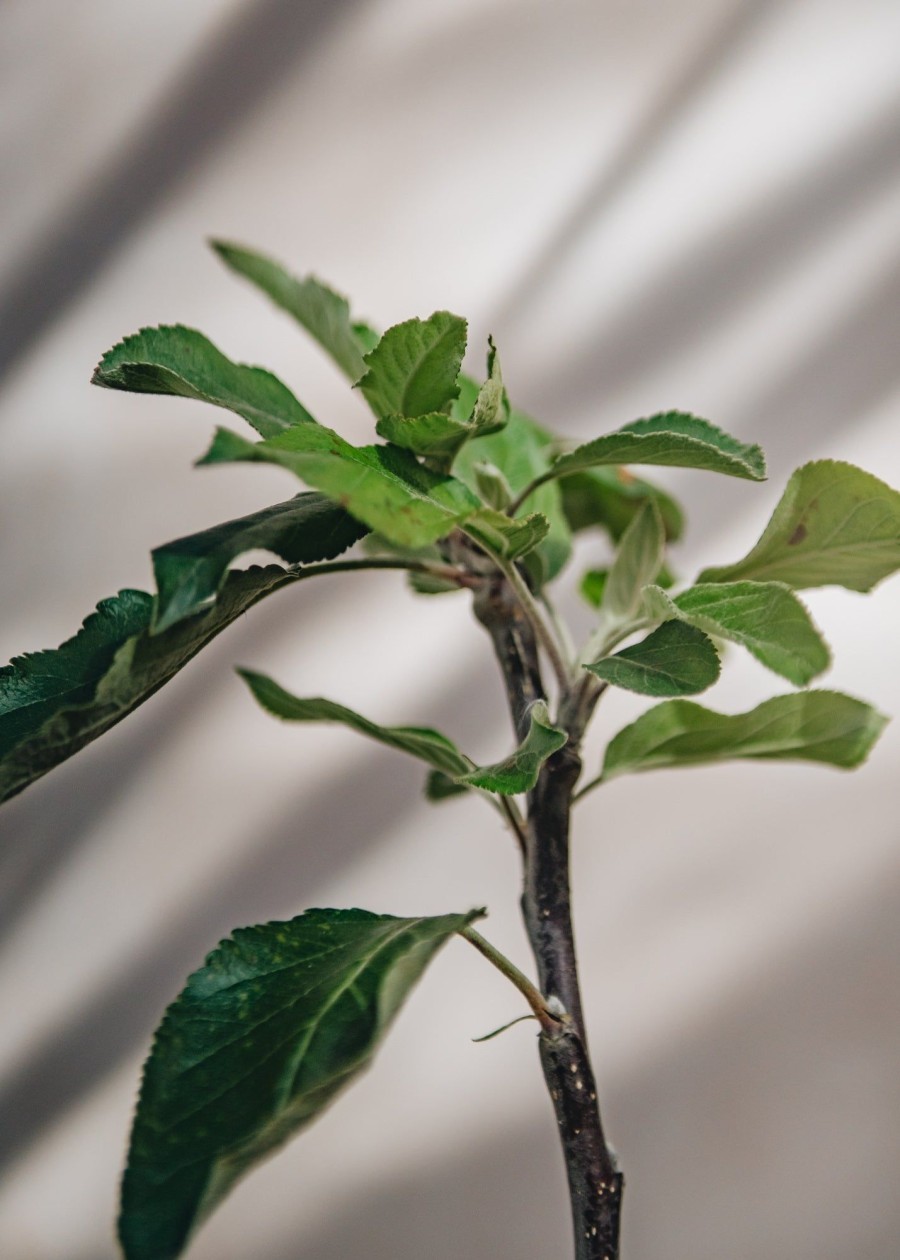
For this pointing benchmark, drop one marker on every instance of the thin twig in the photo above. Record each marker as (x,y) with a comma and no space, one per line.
(550,1022)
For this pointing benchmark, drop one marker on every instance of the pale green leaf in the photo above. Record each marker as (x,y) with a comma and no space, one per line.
(278,1020)
(382,486)
(672,439)
(637,563)
(190,571)
(492,485)
(676,659)
(491,410)
(823,726)
(428,745)
(414,368)
(767,618)
(835,525)
(177,360)
(592,586)
(519,772)
(323,313)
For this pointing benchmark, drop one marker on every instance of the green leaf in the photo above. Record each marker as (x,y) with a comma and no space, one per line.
(834,526)
(53,703)
(440,787)
(323,313)
(675,660)
(510,538)
(435,434)
(764,617)
(521,451)
(382,486)
(181,361)
(519,772)
(277,1022)
(592,586)
(638,561)
(821,726)
(428,745)
(492,485)
(672,439)
(491,410)
(610,498)
(190,571)
(414,368)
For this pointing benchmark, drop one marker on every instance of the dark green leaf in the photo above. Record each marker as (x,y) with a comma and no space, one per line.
(428,745)
(180,361)
(764,617)
(323,313)
(609,498)
(191,570)
(518,772)
(382,486)
(414,368)
(675,660)
(440,787)
(834,526)
(672,439)
(277,1022)
(54,703)
(805,726)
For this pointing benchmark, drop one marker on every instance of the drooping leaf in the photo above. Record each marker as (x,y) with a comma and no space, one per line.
(510,538)
(521,450)
(676,659)
(54,703)
(323,313)
(279,1019)
(672,439)
(637,563)
(382,486)
(413,369)
(823,726)
(767,618)
(177,360)
(610,498)
(428,745)
(835,525)
(189,571)
(519,772)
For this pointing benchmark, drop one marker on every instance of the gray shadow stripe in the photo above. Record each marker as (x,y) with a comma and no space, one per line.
(264,44)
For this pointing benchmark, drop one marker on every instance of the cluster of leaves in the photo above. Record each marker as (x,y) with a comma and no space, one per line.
(462,486)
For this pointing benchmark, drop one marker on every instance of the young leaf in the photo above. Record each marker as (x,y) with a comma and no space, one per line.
(767,618)
(491,410)
(428,745)
(280,1018)
(435,434)
(189,571)
(510,538)
(414,368)
(180,361)
(610,498)
(821,726)
(638,561)
(54,703)
(492,485)
(382,486)
(323,313)
(834,526)
(592,586)
(673,439)
(518,772)
(675,660)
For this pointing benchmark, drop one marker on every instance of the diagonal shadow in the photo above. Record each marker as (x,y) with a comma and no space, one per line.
(265,43)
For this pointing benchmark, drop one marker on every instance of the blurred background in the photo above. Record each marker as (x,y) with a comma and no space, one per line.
(693,205)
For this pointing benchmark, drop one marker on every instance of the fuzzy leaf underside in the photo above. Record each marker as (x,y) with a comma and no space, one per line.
(766,618)
(54,703)
(382,486)
(190,571)
(835,525)
(426,744)
(637,563)
(519,772)
(323,313)
(822,726)
(671,439)
(176,360)
(280,1018)
(414,368)
(676,659)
